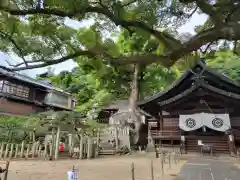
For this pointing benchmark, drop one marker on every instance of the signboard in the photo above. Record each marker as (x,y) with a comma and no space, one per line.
(182,138)
(200,142)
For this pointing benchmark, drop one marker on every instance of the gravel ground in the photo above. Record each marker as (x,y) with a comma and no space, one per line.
(116,168)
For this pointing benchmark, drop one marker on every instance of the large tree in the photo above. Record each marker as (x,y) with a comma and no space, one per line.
(35,31)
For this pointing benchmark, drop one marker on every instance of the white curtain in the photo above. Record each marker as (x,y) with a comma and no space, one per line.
(190,122)
(218,122)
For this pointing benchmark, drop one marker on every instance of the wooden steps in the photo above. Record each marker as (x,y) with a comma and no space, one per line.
(104,152)
(106,149)
(220,144)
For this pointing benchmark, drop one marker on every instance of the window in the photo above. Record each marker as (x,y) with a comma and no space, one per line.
(170,122)
(57,99)
(14,89)
(74,103)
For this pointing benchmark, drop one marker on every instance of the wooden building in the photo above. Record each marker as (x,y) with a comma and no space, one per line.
(200,108)
(22,95)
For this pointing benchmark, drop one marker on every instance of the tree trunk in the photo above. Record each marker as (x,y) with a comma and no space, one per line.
(134,89)
(133,104)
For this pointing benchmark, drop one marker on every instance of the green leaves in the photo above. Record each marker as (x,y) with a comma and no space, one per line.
(111,48)
(66,5)
(226,62)
(12,128)
(88,38)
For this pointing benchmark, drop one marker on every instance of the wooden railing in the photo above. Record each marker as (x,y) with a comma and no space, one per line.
(165,133)
(236,132)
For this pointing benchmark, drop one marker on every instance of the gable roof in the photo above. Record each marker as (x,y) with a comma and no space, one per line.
(188,76)
(118,104)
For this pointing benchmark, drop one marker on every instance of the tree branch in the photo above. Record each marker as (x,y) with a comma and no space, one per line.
(209,10)
(176,49)
(227,32)
(8,37)
(191,14)
(235,47)
(44,63)
(207,47)
(166,39)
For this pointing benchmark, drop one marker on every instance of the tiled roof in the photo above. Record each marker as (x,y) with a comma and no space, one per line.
(29,80)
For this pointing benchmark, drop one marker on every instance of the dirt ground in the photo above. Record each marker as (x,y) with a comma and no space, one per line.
(112,168)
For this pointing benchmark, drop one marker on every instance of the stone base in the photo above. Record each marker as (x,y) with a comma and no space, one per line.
(150,148)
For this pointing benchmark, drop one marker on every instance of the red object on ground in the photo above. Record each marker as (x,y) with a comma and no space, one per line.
(61,147)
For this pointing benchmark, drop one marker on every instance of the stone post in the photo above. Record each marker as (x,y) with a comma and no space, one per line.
(150,140)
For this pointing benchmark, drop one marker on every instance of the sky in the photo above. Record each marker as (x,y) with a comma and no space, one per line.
(196,19)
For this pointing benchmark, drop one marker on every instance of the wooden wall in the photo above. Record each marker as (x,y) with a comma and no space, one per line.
(170,123)
(35,93)
(18,108)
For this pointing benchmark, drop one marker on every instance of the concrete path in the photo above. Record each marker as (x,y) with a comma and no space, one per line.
(203,168)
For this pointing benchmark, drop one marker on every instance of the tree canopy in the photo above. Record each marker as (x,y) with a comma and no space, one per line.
(95,84)
(35,30)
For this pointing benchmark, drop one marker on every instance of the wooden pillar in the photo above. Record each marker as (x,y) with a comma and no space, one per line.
(161,120)
(231,142)
(22,149)
(70,144)
(6,151)
(39,150)
(51,150)
(116,136)
(6,171)
(183,145)
(11,151)
(98,137)
(81,147)
(33,135)
(45,148)
(2,150)
(33,149)
(57,144)
(128,136)
(52,144)
(16,151)
(89,148)
(27,153)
